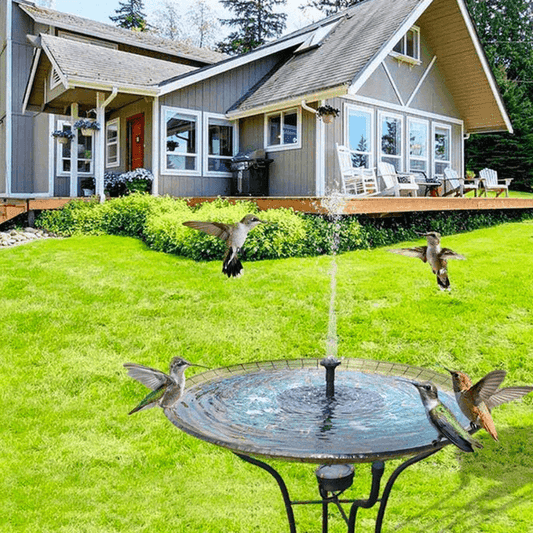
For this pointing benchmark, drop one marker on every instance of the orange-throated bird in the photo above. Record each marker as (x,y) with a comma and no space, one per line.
(433,254)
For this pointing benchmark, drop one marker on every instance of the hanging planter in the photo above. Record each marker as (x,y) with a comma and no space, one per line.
(86,126)
(327,113)
(63,136)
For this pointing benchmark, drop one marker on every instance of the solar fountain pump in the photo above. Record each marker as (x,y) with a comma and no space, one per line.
(330,363)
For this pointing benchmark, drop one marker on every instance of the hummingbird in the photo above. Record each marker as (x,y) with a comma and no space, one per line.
(166,389)
(477,401)
(443,419)
(234,235)
(433,254)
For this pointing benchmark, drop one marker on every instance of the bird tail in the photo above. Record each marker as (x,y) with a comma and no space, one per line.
(232,265)
(443,280)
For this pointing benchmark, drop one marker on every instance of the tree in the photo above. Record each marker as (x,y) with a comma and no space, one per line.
(203,25)
(255,21)
(130,15)
(505,29)
(166,21)
(330,7)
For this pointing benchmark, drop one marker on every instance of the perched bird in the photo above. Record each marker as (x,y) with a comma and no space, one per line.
(477,401)
(433,254)
(233,234)
(443,419)
(166,389)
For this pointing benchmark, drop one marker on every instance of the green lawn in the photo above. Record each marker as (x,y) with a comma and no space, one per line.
(74,310)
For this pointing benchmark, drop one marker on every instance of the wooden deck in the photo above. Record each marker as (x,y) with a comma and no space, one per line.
(11,207)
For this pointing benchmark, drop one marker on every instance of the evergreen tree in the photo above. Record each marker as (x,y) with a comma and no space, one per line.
(330,7)
(505,29)
(255,22)
(130,15)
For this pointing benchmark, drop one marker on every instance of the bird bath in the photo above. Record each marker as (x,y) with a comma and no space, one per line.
(287,410)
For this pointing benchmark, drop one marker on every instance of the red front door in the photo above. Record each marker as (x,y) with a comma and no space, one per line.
(136,142)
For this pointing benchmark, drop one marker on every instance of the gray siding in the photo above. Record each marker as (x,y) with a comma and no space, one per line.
(42,141)
(3,132)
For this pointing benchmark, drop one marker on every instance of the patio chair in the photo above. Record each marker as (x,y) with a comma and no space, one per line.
(457,186)
(355,181)
(490,182)
(396,182)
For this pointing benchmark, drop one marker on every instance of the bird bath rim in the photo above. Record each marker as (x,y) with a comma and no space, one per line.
(197,391)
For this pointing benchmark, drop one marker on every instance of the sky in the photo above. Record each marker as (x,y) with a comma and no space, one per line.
(101,10)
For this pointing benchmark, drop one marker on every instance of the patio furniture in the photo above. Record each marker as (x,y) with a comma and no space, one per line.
(285,410)
(457,186)
(431,185)
(357,181)
(490,182)
(396,182)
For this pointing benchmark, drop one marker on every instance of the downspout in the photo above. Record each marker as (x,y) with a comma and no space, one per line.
(100,142)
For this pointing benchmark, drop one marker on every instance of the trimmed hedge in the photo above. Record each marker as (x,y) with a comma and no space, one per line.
(159,222)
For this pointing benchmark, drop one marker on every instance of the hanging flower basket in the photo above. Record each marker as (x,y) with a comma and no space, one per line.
(327,113)
(86,126)
(63,136)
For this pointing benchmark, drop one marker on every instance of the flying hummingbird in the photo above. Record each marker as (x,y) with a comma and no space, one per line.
(443,419)
(433,254)
(234,235)
(166,389)
(477,401)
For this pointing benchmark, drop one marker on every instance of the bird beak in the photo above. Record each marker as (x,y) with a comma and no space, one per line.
(407,381)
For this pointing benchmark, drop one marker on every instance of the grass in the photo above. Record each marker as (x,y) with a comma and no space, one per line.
(74,310)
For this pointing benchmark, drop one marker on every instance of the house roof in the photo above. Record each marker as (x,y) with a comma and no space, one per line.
(145,40)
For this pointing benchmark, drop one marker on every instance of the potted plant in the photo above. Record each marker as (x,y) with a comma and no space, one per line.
(138,180)
(87,186)
(172,145)
(327,113)
(87,126)
(63,136)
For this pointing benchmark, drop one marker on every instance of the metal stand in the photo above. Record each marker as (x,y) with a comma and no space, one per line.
(333,480)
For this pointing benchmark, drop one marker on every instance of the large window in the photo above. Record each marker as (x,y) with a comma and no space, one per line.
(442,148)
(359,135)
(283,130)
(181,129)
(220,144)
(418,145)
(112,143)
(391,127)
(84,148)
(408,47)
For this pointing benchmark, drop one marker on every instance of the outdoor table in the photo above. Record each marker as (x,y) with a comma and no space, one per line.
(330,412)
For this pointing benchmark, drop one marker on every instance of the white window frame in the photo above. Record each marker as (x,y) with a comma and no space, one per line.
(186,114)
(402,56)
(411,120)
(60,171)
(108,144)
(282,146)
(401,157)
(205,142)
(370,111)
(434,127)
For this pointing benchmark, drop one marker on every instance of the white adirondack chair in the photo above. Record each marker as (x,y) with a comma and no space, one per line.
(458,186)
(394,182)
(490,181)
(355,181)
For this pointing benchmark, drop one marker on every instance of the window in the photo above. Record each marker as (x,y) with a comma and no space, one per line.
(55,79)
(442,148)
(220,142)
(112,143)
(408,47)
(391,127)
(181,128)
(418,145)
(282,130)
(359,135)
(85,152)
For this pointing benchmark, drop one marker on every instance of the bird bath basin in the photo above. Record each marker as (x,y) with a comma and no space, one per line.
(283,410)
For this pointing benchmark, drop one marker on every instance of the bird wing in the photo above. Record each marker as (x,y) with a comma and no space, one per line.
(447,253)
(450,427)
(488,385)
(218,229)
(149,377)
(508,394)
(417,251)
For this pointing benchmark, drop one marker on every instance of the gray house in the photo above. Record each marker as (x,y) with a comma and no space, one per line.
(409,78)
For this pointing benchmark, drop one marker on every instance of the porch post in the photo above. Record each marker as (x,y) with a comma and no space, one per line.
(155,145)
(99,147)
(74,115)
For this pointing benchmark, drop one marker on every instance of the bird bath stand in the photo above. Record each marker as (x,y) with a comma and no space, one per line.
(282,410)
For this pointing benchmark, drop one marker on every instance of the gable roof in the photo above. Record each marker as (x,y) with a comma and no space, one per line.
(145,40)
